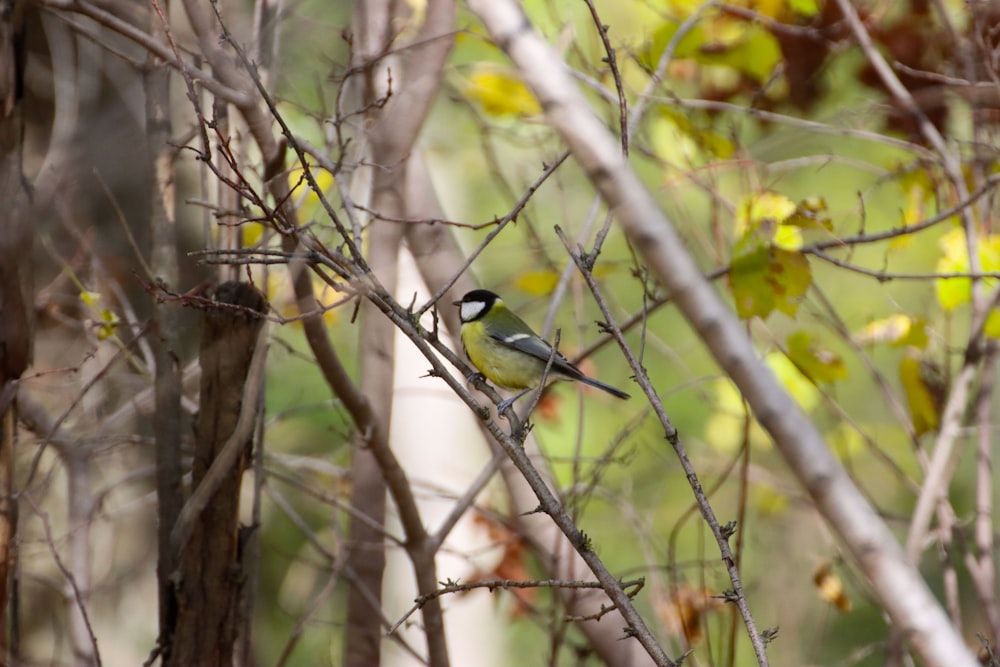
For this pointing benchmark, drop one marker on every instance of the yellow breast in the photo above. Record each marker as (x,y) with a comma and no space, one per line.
(500,364)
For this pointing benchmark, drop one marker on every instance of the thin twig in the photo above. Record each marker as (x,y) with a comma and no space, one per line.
(721,534)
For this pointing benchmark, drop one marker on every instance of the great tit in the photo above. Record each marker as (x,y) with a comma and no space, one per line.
(505,349)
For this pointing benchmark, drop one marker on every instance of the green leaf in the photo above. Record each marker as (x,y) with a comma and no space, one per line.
(804,7)
(719,40)
(756,54)
(688,46)
(791,276)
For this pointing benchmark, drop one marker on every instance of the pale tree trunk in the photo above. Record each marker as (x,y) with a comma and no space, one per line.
(397,95)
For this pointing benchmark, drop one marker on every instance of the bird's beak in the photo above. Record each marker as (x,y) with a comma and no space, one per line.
(457,303)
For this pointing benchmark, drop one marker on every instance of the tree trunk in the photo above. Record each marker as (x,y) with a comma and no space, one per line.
(209,588)
(16,295)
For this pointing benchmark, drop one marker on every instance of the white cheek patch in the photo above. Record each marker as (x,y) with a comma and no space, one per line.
(470,310)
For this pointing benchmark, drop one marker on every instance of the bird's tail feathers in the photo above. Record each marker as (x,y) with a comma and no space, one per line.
(617,393)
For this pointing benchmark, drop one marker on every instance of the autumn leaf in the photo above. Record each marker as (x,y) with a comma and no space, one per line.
(499,92)
(924,389)
(512,565)
(831,588)
(992,326)
(769,279)
(817,364)
(767,500)
(682,612)
(809,214)
(676,138)
(897,330)
(724,430)
(310,207)
(953,292)
(767,272)
(538,283)
(760,209)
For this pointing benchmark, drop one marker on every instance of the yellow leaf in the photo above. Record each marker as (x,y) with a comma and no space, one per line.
(310,207)
(845,441)
(788,237)
(89,298)
(916,197)
(992,326)
(924,391)
(253,232)
(724,429)
(798,386)
(815,363)
(897,330)
(809,214)
(953,292)
(676,139)
(770,8)
(499,92)
(757,209)
(768,500)
(538,283)
(770,216)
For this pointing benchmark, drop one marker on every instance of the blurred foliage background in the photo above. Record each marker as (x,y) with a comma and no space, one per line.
(795,180)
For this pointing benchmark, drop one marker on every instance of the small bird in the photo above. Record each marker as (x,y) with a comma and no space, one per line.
(506,350)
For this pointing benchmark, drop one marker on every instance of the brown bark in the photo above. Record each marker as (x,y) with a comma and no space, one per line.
(16,292)
(209,585)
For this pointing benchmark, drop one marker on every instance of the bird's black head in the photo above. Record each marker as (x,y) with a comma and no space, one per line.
(475,304)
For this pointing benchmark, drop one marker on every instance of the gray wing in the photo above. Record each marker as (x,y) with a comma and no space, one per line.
(540,349)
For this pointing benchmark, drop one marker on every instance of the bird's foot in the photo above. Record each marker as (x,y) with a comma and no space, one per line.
(506,403)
